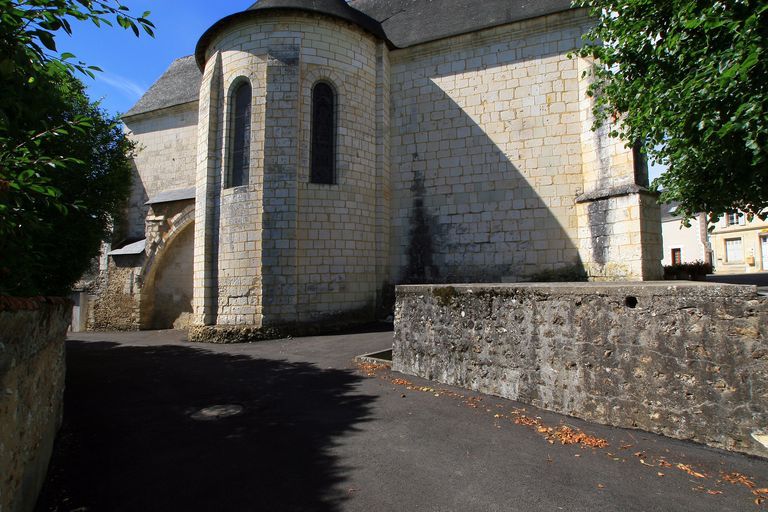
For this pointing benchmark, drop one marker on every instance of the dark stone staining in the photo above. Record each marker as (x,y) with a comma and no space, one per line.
(597,214)
(603,156)
(323,150)
(286,55)
(566,274)
(421,268)
(640,163)
(444,295)
(241,139)
(357,320)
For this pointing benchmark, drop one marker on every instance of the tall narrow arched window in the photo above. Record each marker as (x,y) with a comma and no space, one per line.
(241,135)
(323,150)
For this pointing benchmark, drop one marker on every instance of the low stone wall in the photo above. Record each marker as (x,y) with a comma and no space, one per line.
(32,335)
(686,360)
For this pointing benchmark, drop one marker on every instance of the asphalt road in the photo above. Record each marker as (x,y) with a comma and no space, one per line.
(317,433)
(759,279)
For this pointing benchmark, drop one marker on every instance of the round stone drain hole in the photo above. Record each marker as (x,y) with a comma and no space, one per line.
(217,412)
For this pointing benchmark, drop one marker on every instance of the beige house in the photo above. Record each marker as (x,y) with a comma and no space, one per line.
(312,154)
(740,245)
(683,244)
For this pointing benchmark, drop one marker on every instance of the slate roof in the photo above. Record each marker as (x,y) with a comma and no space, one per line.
(401,23)
(169,196)
(130,249)
(335,8)
(668,212)
(411,22)
(178,85)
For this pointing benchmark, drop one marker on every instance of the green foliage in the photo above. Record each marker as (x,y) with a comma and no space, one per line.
(688,79)
(696,271)
(63,162)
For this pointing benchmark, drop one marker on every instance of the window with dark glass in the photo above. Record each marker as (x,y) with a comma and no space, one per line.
(323,150)
(241,135)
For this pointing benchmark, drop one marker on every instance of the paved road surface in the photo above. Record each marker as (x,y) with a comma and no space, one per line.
(318,434)
(759,279)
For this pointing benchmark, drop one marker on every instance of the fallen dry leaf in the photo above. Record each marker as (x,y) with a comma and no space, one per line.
(370,369)
(736,478)
(686,468)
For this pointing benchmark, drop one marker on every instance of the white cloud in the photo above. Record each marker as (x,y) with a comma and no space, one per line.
(124,85)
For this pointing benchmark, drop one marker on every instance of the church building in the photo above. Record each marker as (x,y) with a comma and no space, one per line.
(313,154)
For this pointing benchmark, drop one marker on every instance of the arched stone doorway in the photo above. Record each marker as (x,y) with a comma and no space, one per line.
(166,298)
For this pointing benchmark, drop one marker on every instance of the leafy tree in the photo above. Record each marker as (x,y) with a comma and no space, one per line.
(58,152)
(55,240)
(689,80)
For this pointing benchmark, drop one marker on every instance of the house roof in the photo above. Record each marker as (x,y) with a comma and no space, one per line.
(411,22)
(178,85)
(668,211)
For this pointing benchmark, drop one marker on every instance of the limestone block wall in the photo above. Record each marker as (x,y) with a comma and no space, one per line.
(620,236)
(32,371)
(486,153)
(239,210)
(619,219)
(688,361)
(337,224)
(165,157)
(281,249)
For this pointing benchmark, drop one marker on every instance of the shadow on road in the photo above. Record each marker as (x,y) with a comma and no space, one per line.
(129,441)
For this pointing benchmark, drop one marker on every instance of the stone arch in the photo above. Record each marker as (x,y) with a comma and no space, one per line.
(167,276)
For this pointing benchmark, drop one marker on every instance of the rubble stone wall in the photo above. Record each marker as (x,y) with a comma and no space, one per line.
(689,361)
(32,371)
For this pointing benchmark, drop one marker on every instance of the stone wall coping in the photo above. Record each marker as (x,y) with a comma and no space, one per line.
(618,191)
(30,303)
(641,289)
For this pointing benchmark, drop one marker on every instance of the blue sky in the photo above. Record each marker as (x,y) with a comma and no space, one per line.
(131,65)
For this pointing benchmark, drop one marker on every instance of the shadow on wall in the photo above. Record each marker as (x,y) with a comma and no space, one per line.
(129,442)
(167,290)
(467,211)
